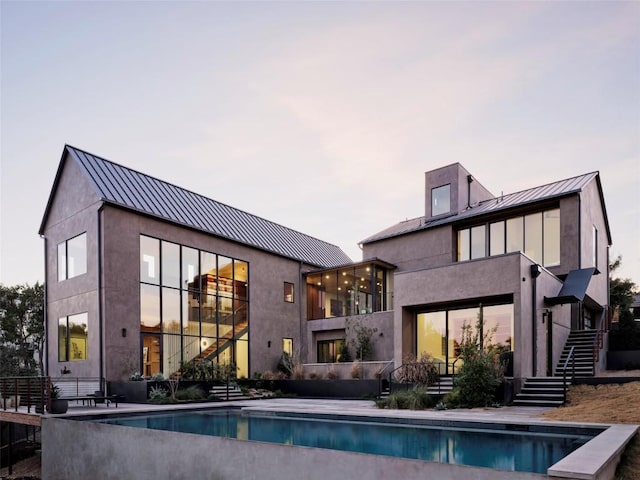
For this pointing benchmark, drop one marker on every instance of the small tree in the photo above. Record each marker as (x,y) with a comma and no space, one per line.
(481,372)
(621,295)
(22,330)
(360,338)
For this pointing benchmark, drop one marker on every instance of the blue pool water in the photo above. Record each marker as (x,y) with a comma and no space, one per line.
(497,449)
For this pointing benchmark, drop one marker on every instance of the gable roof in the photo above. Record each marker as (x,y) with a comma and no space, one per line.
(126,188)
(557,189)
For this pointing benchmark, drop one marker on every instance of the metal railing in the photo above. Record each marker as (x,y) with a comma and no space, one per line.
(437,383)
(29,392)
(598,341)
(571,357)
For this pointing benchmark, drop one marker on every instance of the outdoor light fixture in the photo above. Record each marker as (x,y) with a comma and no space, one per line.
(124,332)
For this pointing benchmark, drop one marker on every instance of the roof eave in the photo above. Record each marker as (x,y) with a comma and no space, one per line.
(54,188)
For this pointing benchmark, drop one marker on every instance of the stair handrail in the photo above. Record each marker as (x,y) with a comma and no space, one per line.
(380,375)
(392,372)
(598,341)
(571,357)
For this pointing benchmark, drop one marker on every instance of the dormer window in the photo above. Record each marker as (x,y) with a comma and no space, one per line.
(441,200)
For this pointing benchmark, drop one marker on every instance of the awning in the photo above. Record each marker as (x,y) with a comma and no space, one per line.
(574,288)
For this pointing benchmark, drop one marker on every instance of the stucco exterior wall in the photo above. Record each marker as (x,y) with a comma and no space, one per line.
(431,248)
(74,211)
(569,236)
(270,319)
(505,275)
(549,285)
(334,328)
(591,213)
(461,194)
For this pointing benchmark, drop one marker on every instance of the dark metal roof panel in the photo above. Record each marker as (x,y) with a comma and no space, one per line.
(504,202)
(574,287)
(128,188)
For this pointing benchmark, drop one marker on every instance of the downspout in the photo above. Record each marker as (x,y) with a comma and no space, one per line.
(469,181)
(100,302)
(580,232)
(535,273)
(45,354)
(300,311)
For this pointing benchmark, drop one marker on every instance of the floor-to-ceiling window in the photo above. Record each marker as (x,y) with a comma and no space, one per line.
(354,290)
(439,332)
(194,305)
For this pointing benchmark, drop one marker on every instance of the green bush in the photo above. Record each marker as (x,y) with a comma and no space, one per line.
(415,399)
(481,373)
(193,392)
(627,334)
(158,395)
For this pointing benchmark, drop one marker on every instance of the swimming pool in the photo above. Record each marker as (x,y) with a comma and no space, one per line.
(517,448)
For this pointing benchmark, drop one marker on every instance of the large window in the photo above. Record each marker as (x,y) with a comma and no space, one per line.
(439,332)
(441,200)
(72,257)
(194,305)
(330,351)
(536,234)
(354,290)
(72,338)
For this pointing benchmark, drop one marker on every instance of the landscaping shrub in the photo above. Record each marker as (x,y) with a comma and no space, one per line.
(356,370)
(286,364)
(481,373)
(193,392)
(332,373)
(422,372)
(159,395)
(415,399)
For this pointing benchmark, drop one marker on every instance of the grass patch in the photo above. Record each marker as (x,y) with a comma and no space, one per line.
(606,404)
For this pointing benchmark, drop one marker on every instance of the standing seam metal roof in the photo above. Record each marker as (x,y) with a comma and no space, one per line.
(532,195)
(133,190)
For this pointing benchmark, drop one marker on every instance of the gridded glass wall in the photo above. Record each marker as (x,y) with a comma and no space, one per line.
(194,305)
(355,290)
(439,332)
(536,234)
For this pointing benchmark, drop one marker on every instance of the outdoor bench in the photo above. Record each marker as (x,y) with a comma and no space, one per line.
(95,399)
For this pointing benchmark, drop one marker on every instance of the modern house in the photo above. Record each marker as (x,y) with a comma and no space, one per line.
(143,275)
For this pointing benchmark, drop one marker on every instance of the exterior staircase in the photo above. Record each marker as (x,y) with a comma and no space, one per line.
(442,387)
(541,392)
(582,341)
(220,391)
(549,391)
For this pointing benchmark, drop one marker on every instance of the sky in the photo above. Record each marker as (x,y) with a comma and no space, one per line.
(321,116)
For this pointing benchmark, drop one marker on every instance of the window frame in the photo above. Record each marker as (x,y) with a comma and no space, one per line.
(289,297)
(287,345)
(63,269)
(67,338)
(512,233)
(199,315)
(435,197)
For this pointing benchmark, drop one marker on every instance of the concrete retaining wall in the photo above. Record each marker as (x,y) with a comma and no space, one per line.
(79,450)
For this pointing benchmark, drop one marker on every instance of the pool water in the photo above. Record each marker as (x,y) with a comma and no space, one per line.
(497,449)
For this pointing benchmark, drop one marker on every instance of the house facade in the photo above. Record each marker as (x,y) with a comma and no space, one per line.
(504,260)
(143,275)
